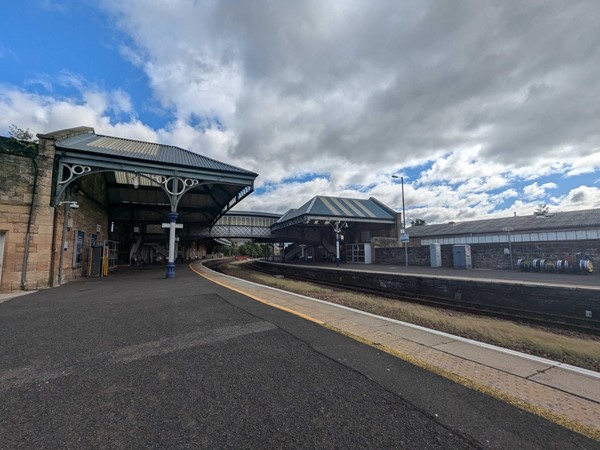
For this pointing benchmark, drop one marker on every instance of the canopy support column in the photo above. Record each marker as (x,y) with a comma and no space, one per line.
(172,227)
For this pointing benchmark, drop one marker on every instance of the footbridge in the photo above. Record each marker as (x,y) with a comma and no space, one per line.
(238,225)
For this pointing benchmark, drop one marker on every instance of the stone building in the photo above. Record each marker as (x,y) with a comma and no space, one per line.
(75,190)
(494,243)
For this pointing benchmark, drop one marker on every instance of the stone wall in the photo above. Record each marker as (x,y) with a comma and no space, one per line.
(492,256)
(17,177)
(567,303)
(91,218)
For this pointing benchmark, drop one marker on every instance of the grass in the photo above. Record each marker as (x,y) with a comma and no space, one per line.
(567,347)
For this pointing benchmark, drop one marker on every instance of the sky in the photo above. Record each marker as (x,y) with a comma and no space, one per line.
(483,109)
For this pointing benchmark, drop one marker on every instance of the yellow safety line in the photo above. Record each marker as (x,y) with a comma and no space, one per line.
(507,398)
(258,299)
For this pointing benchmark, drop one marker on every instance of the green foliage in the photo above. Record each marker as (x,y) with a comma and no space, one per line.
(226,250)
(251,249)
(21,135)
(418,222)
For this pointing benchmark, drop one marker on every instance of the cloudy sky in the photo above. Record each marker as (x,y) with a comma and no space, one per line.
(485,108)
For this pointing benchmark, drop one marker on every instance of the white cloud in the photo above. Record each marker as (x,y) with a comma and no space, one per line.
(535,191)
(479,96)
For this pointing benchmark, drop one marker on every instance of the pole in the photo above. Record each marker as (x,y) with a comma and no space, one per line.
(171,264)
(404,224)
(337,248)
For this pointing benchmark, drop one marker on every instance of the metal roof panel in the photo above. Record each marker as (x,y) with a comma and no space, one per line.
(129,148)
(559,220)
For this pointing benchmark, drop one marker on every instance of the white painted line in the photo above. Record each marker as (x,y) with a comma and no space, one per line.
(567,367)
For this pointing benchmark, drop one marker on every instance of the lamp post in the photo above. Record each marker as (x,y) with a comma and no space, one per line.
(404,242)
(337,228)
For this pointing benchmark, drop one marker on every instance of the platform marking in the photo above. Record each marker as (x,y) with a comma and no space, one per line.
(537,359)
(253,297)
(471,384)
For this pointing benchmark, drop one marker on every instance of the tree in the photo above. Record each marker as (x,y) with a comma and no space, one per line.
(21,135)
(541,210)
(418,222)
(251,249)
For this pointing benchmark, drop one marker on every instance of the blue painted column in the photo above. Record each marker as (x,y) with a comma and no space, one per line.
(171,264)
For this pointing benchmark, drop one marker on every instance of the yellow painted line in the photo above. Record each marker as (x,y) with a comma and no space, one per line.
(500,395)
(258,299)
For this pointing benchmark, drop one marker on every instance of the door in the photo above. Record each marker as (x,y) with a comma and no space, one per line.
(2,234)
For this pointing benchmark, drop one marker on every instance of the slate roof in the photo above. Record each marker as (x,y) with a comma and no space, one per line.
(145,151)
(588,218)
(338,208)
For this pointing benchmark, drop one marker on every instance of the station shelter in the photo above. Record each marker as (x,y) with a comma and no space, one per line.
(133,201)
(336,229)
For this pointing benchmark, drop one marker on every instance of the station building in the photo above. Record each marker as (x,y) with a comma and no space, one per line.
(494,243)
(326,228)
(77,194)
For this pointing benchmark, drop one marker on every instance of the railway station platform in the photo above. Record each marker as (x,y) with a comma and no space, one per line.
(562,393)
(589,280)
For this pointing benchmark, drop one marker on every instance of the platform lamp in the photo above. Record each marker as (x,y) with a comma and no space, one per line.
(404,243)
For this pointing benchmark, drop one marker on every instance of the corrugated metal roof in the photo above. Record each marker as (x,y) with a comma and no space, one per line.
(128,148)
(341,208)
(253,214)
(559,220)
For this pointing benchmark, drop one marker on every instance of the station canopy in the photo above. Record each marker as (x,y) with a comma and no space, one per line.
(323,211)
(146,181)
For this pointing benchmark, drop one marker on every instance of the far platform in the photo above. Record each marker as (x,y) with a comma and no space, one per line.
(589,280)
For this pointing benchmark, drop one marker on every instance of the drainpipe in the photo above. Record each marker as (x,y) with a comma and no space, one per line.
(28,234)
(31,155)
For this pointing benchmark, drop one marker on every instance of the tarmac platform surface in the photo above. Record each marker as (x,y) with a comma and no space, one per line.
(136,360)
(553,389)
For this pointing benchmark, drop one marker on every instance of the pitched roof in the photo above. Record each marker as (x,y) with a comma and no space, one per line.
(146,151)
(560,220)
(339,208)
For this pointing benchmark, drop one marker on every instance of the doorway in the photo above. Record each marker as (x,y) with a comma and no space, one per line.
(2,234)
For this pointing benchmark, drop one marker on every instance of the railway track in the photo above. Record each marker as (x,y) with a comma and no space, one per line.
(514,314)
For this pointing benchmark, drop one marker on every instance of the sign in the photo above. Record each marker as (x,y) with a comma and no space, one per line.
(404,237)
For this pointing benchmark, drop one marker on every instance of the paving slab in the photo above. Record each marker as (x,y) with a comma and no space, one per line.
(490,357)
(575,383)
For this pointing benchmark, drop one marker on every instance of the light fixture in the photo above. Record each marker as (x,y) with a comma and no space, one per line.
(73,205)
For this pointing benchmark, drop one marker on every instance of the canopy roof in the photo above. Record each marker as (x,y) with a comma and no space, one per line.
(147,180)
(322,210)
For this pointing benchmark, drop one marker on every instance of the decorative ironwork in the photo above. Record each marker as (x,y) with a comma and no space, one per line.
(74,171)
(174,185)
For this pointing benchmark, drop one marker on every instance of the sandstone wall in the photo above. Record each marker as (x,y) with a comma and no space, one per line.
(16,193)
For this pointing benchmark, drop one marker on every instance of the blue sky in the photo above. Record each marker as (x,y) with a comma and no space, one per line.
(486,110)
